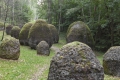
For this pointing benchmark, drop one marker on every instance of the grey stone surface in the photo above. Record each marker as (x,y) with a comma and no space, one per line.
(8,29)
(43,48)
(75,61)
(111,61)
(79,31)
(10,49)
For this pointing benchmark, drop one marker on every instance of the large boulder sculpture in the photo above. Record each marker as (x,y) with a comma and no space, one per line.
(43,48)
(75,61)
(15,32)
(10,48)
(39,32)
(54,32)
(8,29)
(111,61)
(79,31)
(23,35)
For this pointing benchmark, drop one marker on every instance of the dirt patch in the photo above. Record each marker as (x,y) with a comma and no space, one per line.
(56,49)
(39,72)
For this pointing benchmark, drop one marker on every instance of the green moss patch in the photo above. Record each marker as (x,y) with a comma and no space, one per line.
(54,32)
(79,31)
(23,35)
(15,32)
(38,32)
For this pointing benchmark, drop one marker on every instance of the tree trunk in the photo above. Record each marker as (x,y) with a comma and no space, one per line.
(49,11)
(59,28)
(0,12)
(7,5)
(13,13)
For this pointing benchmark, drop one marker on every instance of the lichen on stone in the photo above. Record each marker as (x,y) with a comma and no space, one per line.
(10,48)
(111,61)
(75,61)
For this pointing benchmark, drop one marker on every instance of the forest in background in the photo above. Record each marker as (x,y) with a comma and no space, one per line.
(102,16)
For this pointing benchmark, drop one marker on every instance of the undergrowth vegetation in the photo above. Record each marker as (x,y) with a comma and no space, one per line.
(31,66)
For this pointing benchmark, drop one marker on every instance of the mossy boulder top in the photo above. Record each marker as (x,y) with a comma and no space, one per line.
(54,32)
(15,32)
(79,31)
(8,29)
(23,35)
(75,61)
(15,28)
(10,48)
(39,32)
(111,61)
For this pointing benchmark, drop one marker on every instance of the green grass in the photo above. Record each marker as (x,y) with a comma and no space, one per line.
(22,69)
(62,40)
(29,63)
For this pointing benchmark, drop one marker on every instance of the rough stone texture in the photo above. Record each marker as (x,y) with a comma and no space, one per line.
(39,32)
(75,61)
(54,32)
(43,48)
(111,61)
(10,48)
(15,32)
(79,31)
(23,36)
(8,29)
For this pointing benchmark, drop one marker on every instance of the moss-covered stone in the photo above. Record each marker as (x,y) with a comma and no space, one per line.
(39,32)
(43,48)
(79,31)
(54,32)
(8,29)
(111,61)
(10,48)
(75,61)
(23,35)
(15,32)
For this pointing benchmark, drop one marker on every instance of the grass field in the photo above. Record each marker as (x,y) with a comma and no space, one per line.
(31,66)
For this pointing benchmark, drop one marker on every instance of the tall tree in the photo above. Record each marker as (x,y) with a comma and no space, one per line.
(6,12)
(49,11)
